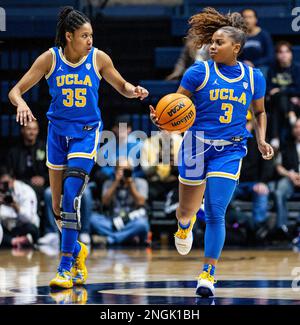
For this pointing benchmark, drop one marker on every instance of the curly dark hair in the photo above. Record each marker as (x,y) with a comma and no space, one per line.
(204,24)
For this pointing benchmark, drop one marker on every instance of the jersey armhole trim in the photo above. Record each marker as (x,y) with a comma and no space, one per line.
(206,76)
(95,63)
(251,79)
(53,64)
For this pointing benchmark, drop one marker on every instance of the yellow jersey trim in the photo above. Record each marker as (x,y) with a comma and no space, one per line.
(207,73)
(91,155)
(251,79)
(56,167)
(95,63)
(53,64)
(191,182)
(227,175)
(52,166)
(218,72)
(73,65)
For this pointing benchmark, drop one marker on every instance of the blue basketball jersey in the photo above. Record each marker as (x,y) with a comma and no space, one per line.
(222,96)
(74,90)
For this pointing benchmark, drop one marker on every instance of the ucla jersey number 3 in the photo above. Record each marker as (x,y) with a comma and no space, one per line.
(227,116)
(76,97)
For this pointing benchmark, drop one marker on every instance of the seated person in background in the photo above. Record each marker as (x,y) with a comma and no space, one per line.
(28,159)
(159,158)
(125,201)
(121,144)
(255,174)
(18,211)
(283,87)
(287,166)
(258,50)
(189,54)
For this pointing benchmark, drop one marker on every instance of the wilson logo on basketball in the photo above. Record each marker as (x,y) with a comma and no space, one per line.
(176,108)
(175,112)
(184,119)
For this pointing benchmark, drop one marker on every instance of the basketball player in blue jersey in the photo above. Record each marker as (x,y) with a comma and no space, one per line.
(223,89)
(73,70)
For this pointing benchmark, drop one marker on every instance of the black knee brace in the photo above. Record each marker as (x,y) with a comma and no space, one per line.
(71,220)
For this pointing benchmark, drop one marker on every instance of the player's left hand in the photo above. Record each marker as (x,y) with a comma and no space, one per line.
(266,150)
(140,92)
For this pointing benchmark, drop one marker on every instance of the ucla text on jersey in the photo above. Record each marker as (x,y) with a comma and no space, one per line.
(74,90)
(222,96)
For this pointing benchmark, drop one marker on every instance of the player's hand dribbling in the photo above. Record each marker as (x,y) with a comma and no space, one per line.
(153,116)
(24,115)
(266,150)
(154,119)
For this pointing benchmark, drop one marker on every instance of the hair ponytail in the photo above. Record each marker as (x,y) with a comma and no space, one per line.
(207,22)
(69,20)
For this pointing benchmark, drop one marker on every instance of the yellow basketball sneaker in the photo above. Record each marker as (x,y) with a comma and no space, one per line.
(63,279)
(79,270)
(184,238)
(205,285)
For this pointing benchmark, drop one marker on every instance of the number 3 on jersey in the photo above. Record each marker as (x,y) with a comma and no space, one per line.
(80,99)
(228,108)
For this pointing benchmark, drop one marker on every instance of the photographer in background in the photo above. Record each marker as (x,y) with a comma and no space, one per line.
(18,211)
(125,201)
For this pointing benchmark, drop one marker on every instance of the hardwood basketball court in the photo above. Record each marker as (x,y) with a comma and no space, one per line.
(146,276)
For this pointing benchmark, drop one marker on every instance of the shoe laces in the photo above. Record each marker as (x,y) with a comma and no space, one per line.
(181,233)
(61,272)
(207,276)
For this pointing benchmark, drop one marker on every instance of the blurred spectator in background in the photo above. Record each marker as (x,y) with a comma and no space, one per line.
(159,157)
(28,159)
(255,174)
(18,211)
(258,51)
(288,163)
(51,232)
(124,199)
(189,54)
(283,88)
(122,144)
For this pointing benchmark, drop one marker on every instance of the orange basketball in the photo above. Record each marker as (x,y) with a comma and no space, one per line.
(175,112)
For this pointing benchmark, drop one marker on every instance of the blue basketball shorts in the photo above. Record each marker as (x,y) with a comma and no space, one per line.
(198,160)
(61,148)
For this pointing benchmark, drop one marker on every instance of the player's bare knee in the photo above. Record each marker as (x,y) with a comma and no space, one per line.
(185,213)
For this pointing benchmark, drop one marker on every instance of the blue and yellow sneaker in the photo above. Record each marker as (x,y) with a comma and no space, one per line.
(63,279)
(79,270)
(205,285)
(184,238)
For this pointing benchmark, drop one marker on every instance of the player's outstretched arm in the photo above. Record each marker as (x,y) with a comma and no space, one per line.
(260,125)
(113,77)
(40,67)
